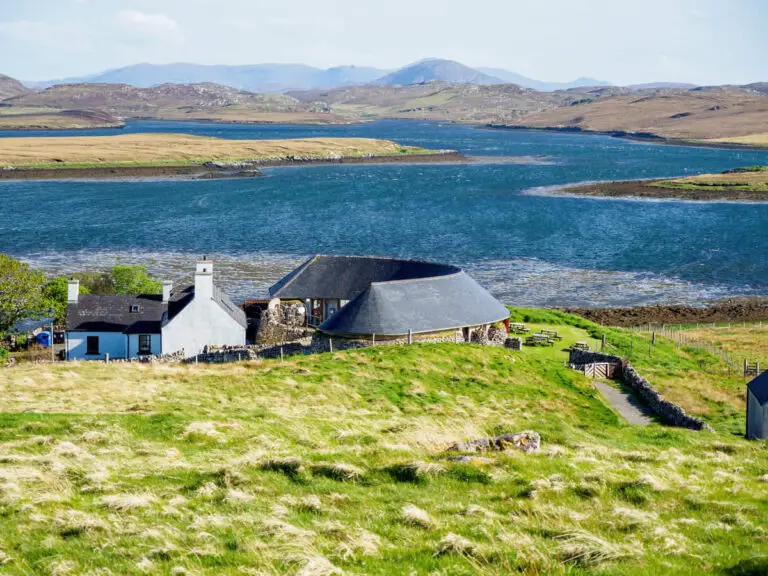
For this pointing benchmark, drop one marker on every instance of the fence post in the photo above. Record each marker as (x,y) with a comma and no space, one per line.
(330,345)
(410,336)
(281,353)
(106,358)
(373,339)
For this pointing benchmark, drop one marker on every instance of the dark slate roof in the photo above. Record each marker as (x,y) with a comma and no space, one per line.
(112,312)
(229,307)
(404,295)
(759,388)
(345,277)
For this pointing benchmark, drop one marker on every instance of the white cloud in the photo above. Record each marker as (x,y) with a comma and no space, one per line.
(148,22)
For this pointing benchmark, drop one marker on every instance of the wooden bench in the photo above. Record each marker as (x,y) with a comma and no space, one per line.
(552,334)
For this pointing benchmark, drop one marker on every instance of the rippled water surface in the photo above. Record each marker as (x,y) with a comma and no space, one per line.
(526,248)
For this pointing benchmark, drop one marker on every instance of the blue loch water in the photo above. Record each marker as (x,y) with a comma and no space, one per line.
(492,216)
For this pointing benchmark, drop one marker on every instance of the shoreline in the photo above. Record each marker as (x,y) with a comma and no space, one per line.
(644,137)
(738,309)
(203,172)
(641,189)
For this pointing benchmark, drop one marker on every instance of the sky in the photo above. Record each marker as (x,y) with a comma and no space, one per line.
(620,41)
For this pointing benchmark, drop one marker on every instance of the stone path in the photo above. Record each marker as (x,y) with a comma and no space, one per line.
(625,404)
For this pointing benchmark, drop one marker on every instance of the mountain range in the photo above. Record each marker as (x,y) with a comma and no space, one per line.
(276,78)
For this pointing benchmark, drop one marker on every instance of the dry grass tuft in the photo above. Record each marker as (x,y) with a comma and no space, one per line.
(415,516)
(128,502)
(338,471)
(454,544)
(318,566)
(74,522)
(310,503)
(587,549)
(290,465)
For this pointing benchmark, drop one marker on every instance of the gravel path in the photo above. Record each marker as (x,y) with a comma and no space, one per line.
(625,404)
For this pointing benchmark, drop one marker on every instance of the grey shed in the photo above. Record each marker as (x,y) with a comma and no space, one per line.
(757,408)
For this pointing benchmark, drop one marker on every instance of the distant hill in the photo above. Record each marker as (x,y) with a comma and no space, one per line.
(436,70)
(443,101)
(10,87)
(254,78)
(525,82)
(176,101)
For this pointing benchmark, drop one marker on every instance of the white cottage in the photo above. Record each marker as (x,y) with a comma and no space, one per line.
(129,326)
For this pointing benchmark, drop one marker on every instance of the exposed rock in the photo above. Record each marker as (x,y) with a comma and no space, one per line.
(497,335)
(527,441)
(282,322)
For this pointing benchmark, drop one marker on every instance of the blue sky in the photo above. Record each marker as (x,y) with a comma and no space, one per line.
(699,41)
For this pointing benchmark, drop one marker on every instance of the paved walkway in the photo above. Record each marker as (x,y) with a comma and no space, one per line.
(625,404)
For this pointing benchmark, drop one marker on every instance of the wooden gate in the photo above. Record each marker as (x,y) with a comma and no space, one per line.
(600,370)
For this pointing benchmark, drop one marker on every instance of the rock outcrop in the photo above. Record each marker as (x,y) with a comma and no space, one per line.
(282,322)
(527,441)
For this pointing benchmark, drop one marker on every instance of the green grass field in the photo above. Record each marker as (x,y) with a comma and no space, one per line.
(334,464)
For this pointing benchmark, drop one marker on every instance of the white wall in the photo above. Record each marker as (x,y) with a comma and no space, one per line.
(202,322)
(112,343)
(133,345)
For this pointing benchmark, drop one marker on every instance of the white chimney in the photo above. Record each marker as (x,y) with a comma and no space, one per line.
(73,291)
(167,287)
(204,279)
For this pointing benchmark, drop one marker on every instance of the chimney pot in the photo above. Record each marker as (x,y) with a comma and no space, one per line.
(167,287)
(73,291)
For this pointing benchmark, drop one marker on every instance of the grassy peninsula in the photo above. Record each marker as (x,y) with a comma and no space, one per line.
(335,464)
(749,184)
(130,154)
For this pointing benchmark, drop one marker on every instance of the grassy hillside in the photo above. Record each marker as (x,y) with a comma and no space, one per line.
(333,464)
(152,149)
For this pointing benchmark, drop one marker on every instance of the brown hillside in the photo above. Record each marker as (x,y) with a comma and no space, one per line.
(439,101)
(10,87)
(175,101)
(692,114)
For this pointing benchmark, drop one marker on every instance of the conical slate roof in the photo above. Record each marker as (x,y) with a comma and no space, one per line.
(421,305)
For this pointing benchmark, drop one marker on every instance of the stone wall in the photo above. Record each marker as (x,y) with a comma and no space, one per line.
(666,410)
(319,343)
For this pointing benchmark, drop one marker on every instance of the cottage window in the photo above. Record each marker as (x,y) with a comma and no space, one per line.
(145,344)
(134,308)
(92,345)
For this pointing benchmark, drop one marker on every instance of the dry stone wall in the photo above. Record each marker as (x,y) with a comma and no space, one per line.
(666,410)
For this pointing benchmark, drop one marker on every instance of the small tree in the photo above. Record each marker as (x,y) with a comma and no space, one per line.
(55,295)
(134,280)
(20,291)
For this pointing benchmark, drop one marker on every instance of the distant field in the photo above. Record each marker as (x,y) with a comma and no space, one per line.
(756,181)
(51,122)
(749,342)
(151,149)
